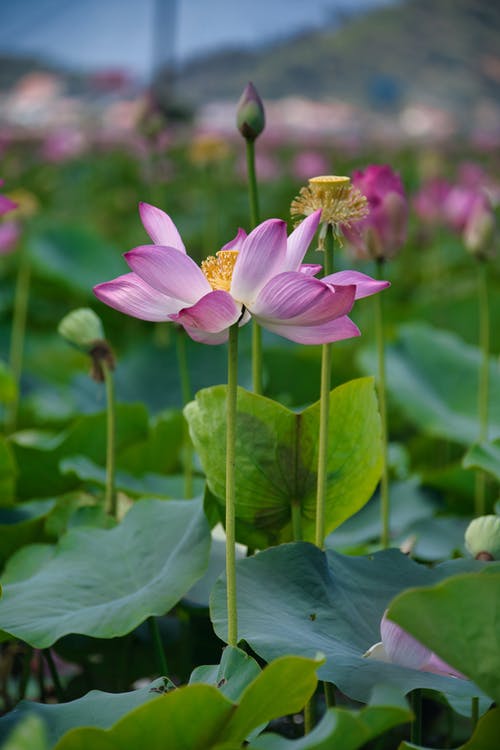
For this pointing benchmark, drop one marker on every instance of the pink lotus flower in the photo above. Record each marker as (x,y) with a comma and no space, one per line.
(259,275)
(383,232)
(398,647)
(429,201)
(6,204)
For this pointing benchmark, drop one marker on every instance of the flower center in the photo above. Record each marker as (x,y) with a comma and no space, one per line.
(331,184)
(218,269)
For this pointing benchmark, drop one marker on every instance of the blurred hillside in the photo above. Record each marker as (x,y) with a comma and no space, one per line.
(438,52)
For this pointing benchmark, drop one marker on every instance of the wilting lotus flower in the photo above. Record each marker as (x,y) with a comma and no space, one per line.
(398,647)
(261,275)
(383,232)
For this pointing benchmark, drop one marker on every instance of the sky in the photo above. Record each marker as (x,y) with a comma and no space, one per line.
(139,34)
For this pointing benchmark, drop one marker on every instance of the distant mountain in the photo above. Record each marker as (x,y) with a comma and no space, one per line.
(443,52)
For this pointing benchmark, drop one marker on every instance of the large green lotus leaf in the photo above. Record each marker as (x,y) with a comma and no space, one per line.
(147,484)
(73,256)
(8,474)
(30,522)
(348,730)
(200,717)
(29,734)
(276,456)
(485,456)
(459,619)
(296,598)
(38,454)
(433,377)
(104,583)
(409,504)
(485,736)
(96,709)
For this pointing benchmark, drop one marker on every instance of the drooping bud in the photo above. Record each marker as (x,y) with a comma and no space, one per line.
(482,538)
(82,328)
(250,115)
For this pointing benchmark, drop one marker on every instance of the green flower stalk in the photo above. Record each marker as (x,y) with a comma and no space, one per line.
(83,329)
(478,236)
(251,120)
(231,404)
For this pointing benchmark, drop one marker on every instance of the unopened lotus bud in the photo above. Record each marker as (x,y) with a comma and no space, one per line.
(250,115)
(482,538)
(82,328)
(479,229)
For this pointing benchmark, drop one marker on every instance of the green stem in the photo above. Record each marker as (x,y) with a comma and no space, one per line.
(484,376)
(329,694)
(110,494)
(253,194)
(232,393)
(154,632)
(256,358)
(309,715)
(54,675)
(381,390)
(296,522)
(474,712)
(324,412)
(253,197)
(185,382)
(20,312)
(25,675)
(416,725)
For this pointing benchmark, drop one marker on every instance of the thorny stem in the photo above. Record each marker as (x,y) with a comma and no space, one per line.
(154,632)
(484,374)
(324,412)
(253,197)
(232,392)
(110,495)
(20,312)
(54,675)
(381,389)
(183,368)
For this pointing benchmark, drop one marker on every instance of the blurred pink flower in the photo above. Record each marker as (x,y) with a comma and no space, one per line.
(480,227)
(429,201)
(383,232)
(399,647)
(62,145)
(9,235)
(266,167)
(307,164)
(260,275)
(6,204)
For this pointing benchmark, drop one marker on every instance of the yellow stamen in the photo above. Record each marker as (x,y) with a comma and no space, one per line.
(218,269)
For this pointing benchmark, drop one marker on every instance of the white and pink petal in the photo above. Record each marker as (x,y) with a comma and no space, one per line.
(213,313)
(325,333)
(298,299)
(261,257)
(365,285)
(169,271)
(131,295)
(160,227)
(299,241)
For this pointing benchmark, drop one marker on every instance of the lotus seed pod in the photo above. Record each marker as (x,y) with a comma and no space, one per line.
(82,328)
(482,538)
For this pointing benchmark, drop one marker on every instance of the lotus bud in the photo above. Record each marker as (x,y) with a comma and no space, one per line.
(482,538)
(479,228)
(250,115)
(83,329)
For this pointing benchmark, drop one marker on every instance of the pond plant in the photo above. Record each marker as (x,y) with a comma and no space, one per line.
(182,577)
